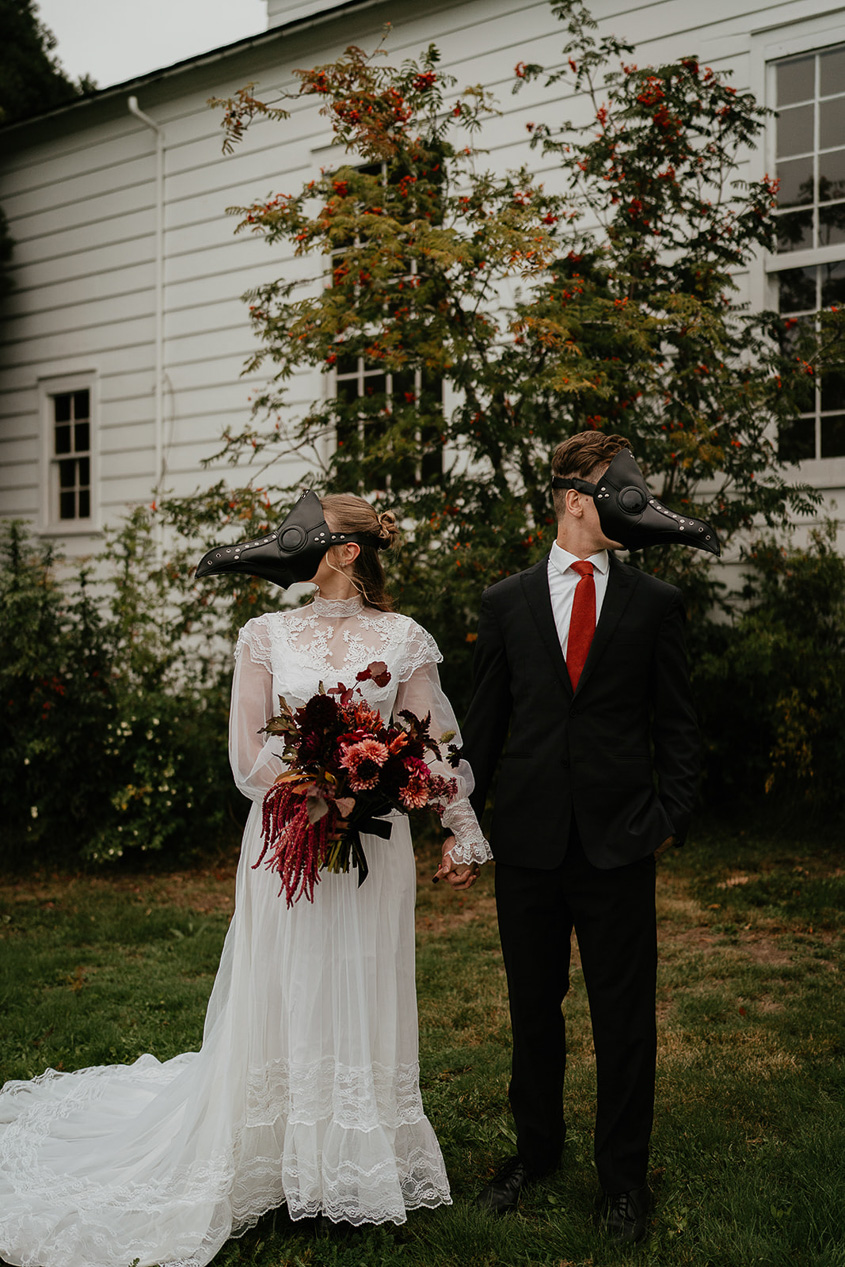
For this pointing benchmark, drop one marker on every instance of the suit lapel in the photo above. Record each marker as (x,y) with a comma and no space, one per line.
(535,586)
(620,586)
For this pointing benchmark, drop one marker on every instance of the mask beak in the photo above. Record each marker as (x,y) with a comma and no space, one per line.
(631,514)
(292,553)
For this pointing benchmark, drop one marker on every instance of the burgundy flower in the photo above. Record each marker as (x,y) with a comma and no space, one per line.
(321,713)
(377,671)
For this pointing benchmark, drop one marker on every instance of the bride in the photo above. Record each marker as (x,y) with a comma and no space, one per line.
(305,1091)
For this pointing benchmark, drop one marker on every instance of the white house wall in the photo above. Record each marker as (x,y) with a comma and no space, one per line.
(79,193)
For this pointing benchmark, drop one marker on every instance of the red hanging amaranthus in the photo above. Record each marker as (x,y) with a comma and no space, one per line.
(299,847)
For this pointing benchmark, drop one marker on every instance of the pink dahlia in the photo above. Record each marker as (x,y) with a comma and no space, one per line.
(364,760)
(416,792)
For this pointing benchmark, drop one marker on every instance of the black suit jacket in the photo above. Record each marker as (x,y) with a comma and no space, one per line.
(592,753)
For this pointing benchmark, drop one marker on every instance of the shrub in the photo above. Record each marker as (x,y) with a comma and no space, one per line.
(771,684)
(114,719)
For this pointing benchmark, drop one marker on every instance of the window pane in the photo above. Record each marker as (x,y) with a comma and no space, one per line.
(796,182)
(63,440)
(81,437)
(832,68)
(403,389)
(347,364)
(797,440)
(795,131)
(81,404)
(832,224)
(67,505)
(795,231)
(375,385)
(84,504)
(833,390)
(832,176)
(797,290)
(347,390)
(432,467)
(67,474)
(804,393)
(84,472)
(833,283)
(833,437)
(347,435)
(832,123)
(61,405)
(796,80)
(432,462)
(378,471)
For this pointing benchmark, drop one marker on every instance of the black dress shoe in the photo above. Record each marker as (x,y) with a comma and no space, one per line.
(502,1192)
(624,1215)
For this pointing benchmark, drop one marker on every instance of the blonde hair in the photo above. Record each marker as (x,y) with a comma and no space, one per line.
(345,512)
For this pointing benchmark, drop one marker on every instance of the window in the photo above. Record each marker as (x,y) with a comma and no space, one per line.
(809,93)
(417,455)
(68,484)
(810,150)
(358,379)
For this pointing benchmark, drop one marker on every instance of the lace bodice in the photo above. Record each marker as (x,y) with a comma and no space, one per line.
(289,653)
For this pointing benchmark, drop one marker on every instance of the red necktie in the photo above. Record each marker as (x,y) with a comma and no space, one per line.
(582,625)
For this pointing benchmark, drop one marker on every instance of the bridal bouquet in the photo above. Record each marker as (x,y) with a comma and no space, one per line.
(346,768)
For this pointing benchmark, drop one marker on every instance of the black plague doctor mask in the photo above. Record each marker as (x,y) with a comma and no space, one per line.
(292,553)
(630,514)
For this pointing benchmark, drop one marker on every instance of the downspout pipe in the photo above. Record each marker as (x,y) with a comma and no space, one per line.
(158,301)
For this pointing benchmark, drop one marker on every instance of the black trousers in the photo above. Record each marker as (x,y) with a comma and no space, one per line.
(613,915)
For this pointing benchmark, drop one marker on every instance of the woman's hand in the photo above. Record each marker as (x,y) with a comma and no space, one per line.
(460,875)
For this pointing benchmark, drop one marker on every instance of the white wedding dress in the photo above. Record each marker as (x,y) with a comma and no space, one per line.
(306,1088)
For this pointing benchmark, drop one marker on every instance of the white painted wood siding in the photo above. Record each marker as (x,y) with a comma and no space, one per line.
(79,192)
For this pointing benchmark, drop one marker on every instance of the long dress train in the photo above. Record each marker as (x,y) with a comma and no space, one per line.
(306,1088)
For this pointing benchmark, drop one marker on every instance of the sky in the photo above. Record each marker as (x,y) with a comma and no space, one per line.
(115,40)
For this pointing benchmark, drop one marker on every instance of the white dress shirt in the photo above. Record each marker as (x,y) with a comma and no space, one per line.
(562,583)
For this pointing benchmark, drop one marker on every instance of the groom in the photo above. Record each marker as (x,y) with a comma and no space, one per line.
(581,677)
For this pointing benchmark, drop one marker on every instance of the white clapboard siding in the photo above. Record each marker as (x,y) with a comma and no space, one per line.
(80,194)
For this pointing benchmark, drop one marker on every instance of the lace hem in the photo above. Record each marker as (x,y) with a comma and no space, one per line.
(354,1098)
(470,846)
(182,1217)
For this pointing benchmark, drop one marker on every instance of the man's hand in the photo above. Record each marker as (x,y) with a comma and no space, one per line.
(662,849)
(460,875)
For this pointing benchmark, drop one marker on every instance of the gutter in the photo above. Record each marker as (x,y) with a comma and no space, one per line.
(158,468)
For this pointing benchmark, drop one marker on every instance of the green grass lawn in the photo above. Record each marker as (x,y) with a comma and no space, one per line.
(748,1157)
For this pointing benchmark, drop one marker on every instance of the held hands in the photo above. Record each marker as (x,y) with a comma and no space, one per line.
(460,875)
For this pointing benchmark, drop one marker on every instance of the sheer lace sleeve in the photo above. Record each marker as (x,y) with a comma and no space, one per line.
(420,692)
(253,757)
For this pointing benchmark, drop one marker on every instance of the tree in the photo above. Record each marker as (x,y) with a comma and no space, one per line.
(32,80)
(627,319)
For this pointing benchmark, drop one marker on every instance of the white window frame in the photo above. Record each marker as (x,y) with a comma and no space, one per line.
(768,46)
(327,158)
(50,522)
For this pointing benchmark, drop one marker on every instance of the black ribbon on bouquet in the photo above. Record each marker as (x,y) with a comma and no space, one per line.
(372,826)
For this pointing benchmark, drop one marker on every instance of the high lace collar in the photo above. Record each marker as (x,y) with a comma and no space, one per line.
(337,607)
